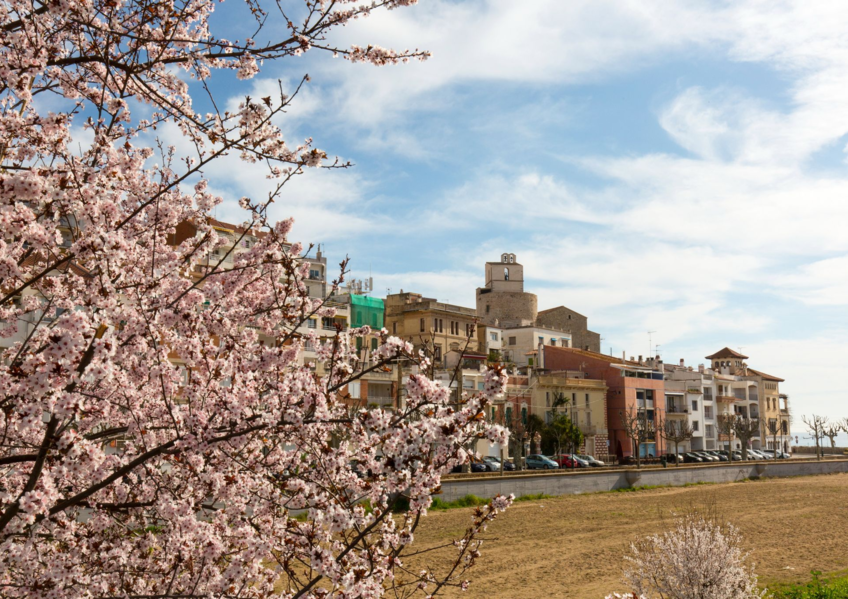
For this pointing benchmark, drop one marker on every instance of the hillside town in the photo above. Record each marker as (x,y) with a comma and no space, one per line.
(549,354)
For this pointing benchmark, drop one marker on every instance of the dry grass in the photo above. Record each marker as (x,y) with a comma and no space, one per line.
(572,546)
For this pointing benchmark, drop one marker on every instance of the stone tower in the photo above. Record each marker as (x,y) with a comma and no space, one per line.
(503,300)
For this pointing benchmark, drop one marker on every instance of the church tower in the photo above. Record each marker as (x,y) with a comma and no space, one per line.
(502,299)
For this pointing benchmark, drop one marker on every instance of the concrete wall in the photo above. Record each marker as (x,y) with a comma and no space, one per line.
(566,483)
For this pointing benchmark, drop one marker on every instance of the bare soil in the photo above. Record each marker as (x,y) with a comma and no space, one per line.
(573,546)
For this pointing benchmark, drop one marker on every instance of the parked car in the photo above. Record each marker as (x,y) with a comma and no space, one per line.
(565,460)
(673,459)
(593,462)
(707,457)
(721,457)
(496,463)
(691,458)
(475,466)
(540,462)
(753,454)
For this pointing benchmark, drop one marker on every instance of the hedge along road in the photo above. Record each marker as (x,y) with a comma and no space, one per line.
(572,546)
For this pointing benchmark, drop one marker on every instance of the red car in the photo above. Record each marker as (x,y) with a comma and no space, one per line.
(565,461)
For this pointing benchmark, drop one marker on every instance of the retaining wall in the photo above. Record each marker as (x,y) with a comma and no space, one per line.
(587,481)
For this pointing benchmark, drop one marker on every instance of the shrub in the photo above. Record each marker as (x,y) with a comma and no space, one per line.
(696,559)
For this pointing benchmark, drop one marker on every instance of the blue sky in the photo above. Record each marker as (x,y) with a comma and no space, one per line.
(677,167)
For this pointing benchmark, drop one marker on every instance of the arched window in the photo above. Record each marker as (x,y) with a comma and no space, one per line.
(512,258)
(506,274)
(523,414)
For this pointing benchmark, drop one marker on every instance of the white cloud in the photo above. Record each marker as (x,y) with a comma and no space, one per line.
(824,282)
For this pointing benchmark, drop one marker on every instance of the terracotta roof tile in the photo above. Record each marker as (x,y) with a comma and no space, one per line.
(726,353)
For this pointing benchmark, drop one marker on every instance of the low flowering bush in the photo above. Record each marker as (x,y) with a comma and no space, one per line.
(696,559)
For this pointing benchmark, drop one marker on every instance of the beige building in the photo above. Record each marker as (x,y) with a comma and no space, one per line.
(755,394)
(426,322)
(584,402)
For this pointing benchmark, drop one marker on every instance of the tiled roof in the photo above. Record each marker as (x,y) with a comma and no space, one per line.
(726,353)
(768,377)
(594,355)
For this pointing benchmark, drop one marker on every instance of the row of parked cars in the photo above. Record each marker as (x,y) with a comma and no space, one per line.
(570,460)
(699,457)
(564,460)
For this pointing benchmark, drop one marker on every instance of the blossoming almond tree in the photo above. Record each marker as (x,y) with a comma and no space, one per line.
(122,475)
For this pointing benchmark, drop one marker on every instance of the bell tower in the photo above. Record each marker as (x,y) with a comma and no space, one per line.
(502,298)
(506,275)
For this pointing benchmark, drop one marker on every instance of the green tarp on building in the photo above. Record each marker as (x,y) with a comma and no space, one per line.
(366,310)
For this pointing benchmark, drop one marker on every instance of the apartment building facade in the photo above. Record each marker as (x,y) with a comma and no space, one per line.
(427,322)
(636,386)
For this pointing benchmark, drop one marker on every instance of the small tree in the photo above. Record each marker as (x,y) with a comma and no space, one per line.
(638,428)
(831,431)
(773,429)
(511,419)
(677,432)
(816,424)
(534,425)
(725,427)
(745,429)
(697,559)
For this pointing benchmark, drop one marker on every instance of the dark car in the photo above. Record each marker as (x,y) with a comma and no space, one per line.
(721,457)
(475,467)
(673,459)
(540,462)
(707,457)
(691,458)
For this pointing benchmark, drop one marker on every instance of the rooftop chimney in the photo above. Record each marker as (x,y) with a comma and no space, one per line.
(701,368)
(682,362)
(640,358)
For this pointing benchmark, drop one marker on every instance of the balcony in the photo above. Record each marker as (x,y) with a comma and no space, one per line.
(727,398)
(589,430)
(676,410)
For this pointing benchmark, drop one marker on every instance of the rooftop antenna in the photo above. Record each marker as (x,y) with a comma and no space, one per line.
(650,342)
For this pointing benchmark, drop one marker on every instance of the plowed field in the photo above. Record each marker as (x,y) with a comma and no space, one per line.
(572,546)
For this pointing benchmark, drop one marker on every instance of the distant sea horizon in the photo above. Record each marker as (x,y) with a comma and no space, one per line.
(805,438)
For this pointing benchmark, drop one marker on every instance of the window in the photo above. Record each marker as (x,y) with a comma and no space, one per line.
(523,414)
(358,343)
(394,328)
(506,274)
(314,274)
(553,340)
(573,399)
(441,322)
(708,411)
(487,308)
(437,353)
(354,389)
(508,414)
(512,340)
(548,398)
(469,330)
(694,405)
(541,340)
(587,400)
(694,425)
(480,386)
(374,344)
(311,323)
(493,336)
(422,325)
